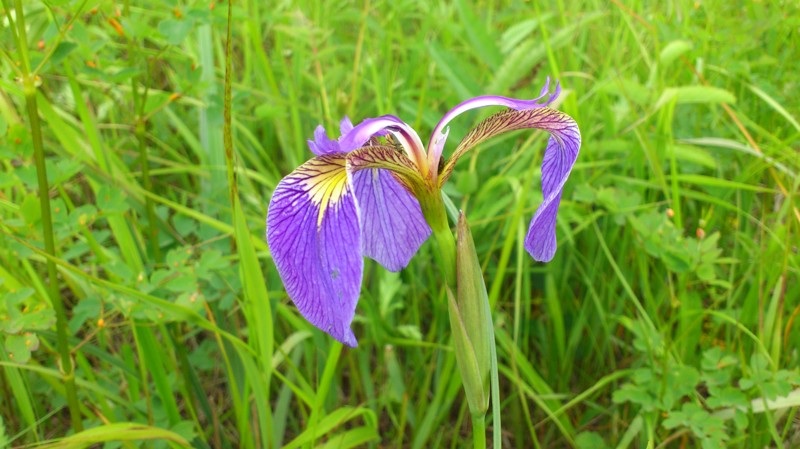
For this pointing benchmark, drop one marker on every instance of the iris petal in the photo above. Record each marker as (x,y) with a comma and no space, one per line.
(322,144)
(314,238)
(392,224)
(559,157)
(383,157)
(345,126)
(404,133)
(439,135)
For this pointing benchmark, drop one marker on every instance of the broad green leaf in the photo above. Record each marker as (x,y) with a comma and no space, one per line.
(589,440)
(111,201)
(175,30)
(773,103)
(458,73)
(694,155)
(673,51)
(31,210)
(357,437)
(36,319)
(61,52)
(19,347)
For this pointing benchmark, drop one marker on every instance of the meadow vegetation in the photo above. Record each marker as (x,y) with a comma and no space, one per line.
(670,316)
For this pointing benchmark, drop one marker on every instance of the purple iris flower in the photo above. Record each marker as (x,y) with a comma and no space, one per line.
(365,194)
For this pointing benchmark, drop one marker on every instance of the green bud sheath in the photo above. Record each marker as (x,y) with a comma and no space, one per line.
(473,312)
(477,397)
(468,302)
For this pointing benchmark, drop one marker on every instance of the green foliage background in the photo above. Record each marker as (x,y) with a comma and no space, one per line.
(669,317)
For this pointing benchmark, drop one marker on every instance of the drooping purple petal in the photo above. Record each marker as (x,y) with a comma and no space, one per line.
(559,157)
(314,238)
(392,224)
(406,135)
(439,135)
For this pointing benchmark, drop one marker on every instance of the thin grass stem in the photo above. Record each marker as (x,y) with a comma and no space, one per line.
(30,89)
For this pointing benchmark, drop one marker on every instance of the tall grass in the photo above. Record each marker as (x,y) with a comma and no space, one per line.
(668,318)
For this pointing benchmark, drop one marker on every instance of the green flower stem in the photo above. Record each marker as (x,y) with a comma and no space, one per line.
(479,431)
(447,254)
(436,216)
(29,81)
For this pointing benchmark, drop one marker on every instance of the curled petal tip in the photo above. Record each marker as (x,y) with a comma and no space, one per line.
(322,144)
(540,242)
(543,257)
(348,338)
(319,133)
(313,146)
(545,88)
(555,94)
(345,125)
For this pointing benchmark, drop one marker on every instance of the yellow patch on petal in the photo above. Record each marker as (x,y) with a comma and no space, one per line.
(326,182)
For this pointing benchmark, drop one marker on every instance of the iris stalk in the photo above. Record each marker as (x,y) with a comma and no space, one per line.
(436,215)
(29,85)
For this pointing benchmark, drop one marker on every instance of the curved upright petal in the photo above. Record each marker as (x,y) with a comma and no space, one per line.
(392,225)
(439,134)
(559,157)
(405,134)
(314,237)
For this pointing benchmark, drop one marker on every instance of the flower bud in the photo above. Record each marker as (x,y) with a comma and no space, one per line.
(471,321)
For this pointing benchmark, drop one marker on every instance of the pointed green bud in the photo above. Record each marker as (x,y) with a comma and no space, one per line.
(473,301)
(477,399)
(471,321)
